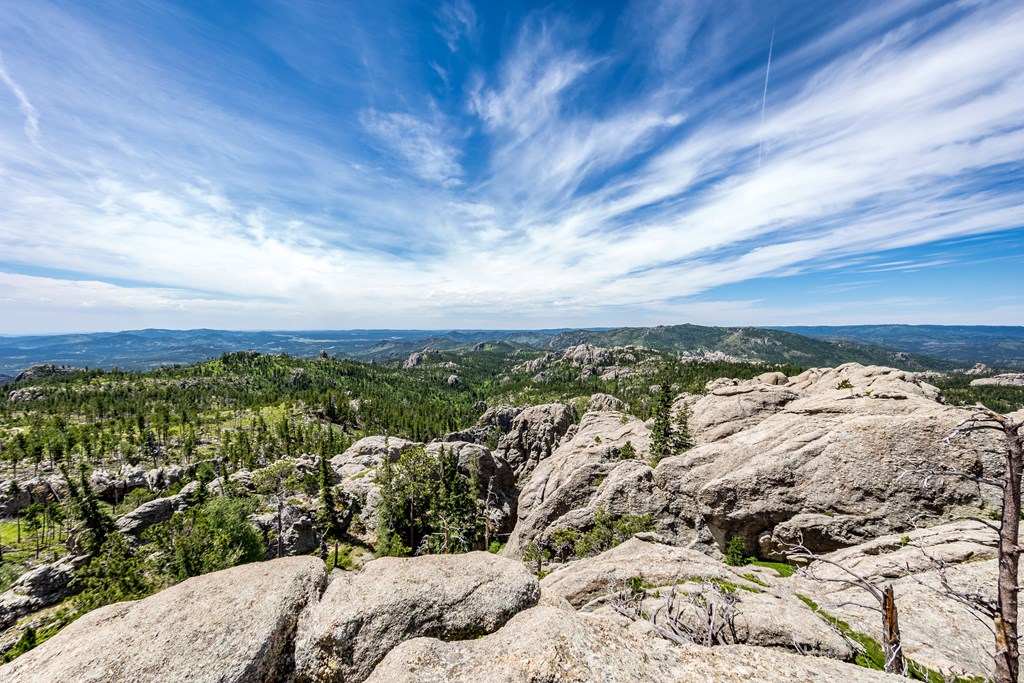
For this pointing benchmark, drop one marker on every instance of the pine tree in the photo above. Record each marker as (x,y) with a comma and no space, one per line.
(661,432)
(327,516)
(681,439)
(96,524)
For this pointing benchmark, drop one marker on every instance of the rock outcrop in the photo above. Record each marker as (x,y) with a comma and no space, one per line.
(828,455)
(548,643)
(493,475)
(133,523)
(27,491)
(1014,379)
(533,436)
(362,616)
(355,470)
(43,371)
(299,535)
(587,473)
(231,626)
(39,587)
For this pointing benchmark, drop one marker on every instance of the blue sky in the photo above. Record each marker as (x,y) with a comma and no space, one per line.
(315,165)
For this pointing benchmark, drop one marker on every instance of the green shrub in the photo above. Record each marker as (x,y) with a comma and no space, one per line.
(628,451)
(736,552)
(206,538)
(26,642)
(609,532)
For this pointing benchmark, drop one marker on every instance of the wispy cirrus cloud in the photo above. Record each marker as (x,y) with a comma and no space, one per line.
(578,173)
(419,143)
(456,20)
(24,105)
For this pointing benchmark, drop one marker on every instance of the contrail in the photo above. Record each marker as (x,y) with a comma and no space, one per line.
(28,111)
(764,97)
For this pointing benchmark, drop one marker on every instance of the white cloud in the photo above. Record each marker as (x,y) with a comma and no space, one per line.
(456,20)
(420,143)
(572,213)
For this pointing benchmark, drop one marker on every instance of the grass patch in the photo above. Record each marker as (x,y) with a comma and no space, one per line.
(726,585)
(784,570)
(753,578)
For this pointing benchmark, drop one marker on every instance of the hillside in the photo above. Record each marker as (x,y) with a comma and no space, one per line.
(150,349)
(749,343)
(997,346)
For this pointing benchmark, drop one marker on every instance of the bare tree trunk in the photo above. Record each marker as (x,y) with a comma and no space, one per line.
(280,530)
(1009,560)
(894,662)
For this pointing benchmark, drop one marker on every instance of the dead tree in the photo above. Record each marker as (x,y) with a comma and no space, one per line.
(1004,618)
(1003,610)
(706,616)
(884,596)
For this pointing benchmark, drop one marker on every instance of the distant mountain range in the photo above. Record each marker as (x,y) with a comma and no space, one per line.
(997,346)
(909,347)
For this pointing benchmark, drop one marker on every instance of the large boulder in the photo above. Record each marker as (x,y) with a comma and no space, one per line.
(552,644)
(582,582)
(587,473)
(850,448)
(41,586)
(762,617)
(364,615)
(231,626)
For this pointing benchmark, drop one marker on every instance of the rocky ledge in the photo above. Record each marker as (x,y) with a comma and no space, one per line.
(472,617)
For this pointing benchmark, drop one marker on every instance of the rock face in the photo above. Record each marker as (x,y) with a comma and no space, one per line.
(826,462)
(233,625)
(585,474)
(40,587)
(731,406)
(362,616)
(533,436)
(1015,379)
(552,644)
